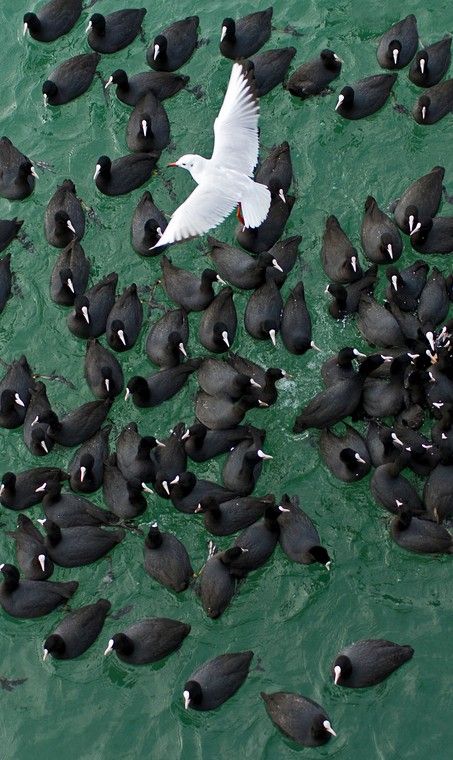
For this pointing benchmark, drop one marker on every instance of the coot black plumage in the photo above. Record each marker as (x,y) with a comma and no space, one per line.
(17,173)
(381,240)
(314,76)
(434,104)
(70,274)
(70,511)
(167,339)
(15,393)
(31,553)
(77,631)
(339,367)
(276,171)
(242,38)
(368,662)
(406,285)
(438,490)
(173,46)
(270,68)
(216,376)
(166,559)
(102,371)
(187,492)
(55,18)
(225,518)
(133,453)
(32,599)
(420,201)
(377,325)
(257,542)
(36,436)
(434,303)
(392,490)
(91,310)
(262,314)
(148,640)
(347,297)
(339,258)
(70,79)
(298,717)
(24,489)
(87,467)
(218,324)
(123,496)
(434,236)
(170,459)
(399,44)
(295,327)
(298,536)
(243,465)
(9,229)
(265,236)
(365,97)
(420,535)
(186,289)
(79,424)
(147,226)
(346,456)
(108,34)
(148,128)
(5,280)
(238,267)
(160,386)
(124,174)
(64,217)
(220,412)
(132,89)
(216,680)
(431,63)
(217,585)
(202,444)
(266,379)
(125,320)
(81,545)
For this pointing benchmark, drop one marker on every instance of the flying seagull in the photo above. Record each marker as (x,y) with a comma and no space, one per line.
(225,179)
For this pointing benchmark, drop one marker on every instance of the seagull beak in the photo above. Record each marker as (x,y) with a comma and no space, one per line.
(70,226)
(34,173)
(329,728)
(172,163)
(272,336)
(96,173)
(223,34)
(339,102)
(108,82)
(109,648)
(156,52)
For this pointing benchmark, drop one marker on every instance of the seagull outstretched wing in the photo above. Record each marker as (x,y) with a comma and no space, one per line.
(236,143)
(200,212)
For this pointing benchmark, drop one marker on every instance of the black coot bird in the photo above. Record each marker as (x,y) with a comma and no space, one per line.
(81,545)
(190,292)
(265,379)
(217,585)
(64,217)
(365,97)
(79,424)
(167,339)
(225,518)
(420,536)
(108,34)
(220,412)
(314,76)
(31,553)
(15,393)
(216,680)
(381,240)
(125,320)
(298,717)
(406,285)
(147,226)
(70,511)
(435,236)
(269,68)
(148,128)
(202,444)
(243,465)
(438,490)
(257,542)
(420,201)
(70,79)
(276,171)
(265,236)
(298,536)
(91,310)
(295,326)
(436,103)
(70,274)
(133,453)
(368,662)
(218,324)
(216,376)
(36,436)
(240,268)
(17,173)
(187,492)
(124,174)
(242,38)
(339,367)
(377,324)
(346,298)
(123,496)
(32,599)
(9,229)
(431,63)
(148,640)
(399,44)
(392,490)
(87,467)
(55,18)
(346,456)
(160,386)
(173,47)
(77,631)
(166,560)
(263,312)
(24,489)
(339,258)
(102,371)
(132,89)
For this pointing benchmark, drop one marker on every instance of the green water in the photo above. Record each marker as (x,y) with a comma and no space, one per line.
(295,618)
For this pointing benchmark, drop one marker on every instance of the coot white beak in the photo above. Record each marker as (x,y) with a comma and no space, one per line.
(45,100)
(107,384)
(395,54)
(219,279)
(262,455)
(83,472)
(422,65)
(329,728)
(186,696)
(314,346)
(357,353)
(42,561)
(423,113)
(41,488)
(185,436)
(33,172)
(359,458)
(390,250)
(35,420)
(281,195)
(18,400)
(70,285)
(108,82)
(96,173)
(182,349)
(283,509)
(85,314)
(109,647)
(337,672)
(410,222)
(146,488)
(354,263)
(121,337)
(337,58)
(144,127)
(225,338)
(70,226)
(174,481)
(89,27)
(223,34)
(339,102)
(272,336)
(165,487)
(44,654)
(395,282)
(25,29)
(127,394)
(44,446)
(156,52)
(276,265)
(254,383)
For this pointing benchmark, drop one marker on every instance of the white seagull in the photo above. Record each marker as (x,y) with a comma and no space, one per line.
(225,179)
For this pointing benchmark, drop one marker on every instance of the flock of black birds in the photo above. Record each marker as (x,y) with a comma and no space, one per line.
(410,383)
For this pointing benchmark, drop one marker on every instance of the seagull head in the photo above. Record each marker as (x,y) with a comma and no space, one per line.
(192,162)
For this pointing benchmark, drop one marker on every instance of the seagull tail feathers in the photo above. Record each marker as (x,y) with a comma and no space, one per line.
(255,204)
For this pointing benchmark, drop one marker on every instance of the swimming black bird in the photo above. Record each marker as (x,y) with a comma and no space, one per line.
(70,79)
(148,128)
(217,585)
(81,545)
(269,68)
(79,424)
(218,324)
(225,518)
(339,258)
(298,717)
(31,553)
(160,386)
(173,46)
(32,599)
(132,89)
(190,292)
(399,44)
(420,201)
(24,489)
(108,34)
(124,174)
(298,536)
(125,319)
(381,240)
(166,559)
(346,298)
(15,393)
(240,268)
(9,229)
(87,467)
(77,632)
(434,104)
(102,371)
(262,316)
(91,310)
(55,18)
(368,662)
(314,76)
(431,63)
(64,218)
(148,640)
(365,97)
(167,339)
(346,456)
(123,496)
(70,274)
(148,224)
(392,490)
(68,510)
(17,173)
(242,38)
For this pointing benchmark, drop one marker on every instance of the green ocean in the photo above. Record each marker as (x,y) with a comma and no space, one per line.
(295,618)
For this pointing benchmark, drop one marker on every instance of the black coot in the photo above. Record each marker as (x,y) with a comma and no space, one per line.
(147,226)
(133,453)
(347,297)
(166,560)
(148,128)
(257,542)
(276,171)
(69,275)
(298,536)
(399,44)
(406,285)
(170,459)
(36,436)
(148,640)
(217,328)
(108,34)
(89,318)
(368,662)
(225,518)
(295,327)
(238,267)
(124,174)
(434,303)
(377,324)
(266,379)
(123,496)
(381,240)
(87,467)
(216,680)
(420,201)
(24,489)
(365,96)
(6,280)
(243,465)
(70,511)
(102,371)
(436,103)
(202,444)
(70,79)
(77,631)
(420,536)
(339,258)
(187,492)
(186,289)
(132,89)
(31,553)
(81,545)
(346,456)
(242,38)
(15,393)
(79,424)
(431,63)
(435,236)
(392,490)
(217,585)
(32,599)
(314,76)
(64,217)
(216,376)
(167,339)
(55,18)
(174,45)
(220,412)
(263,312)
(298,717)
(9,229)
(340,367)
(17,173)
(161,386)
(265,236)
(270,68)
(125,320)
(438,490)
